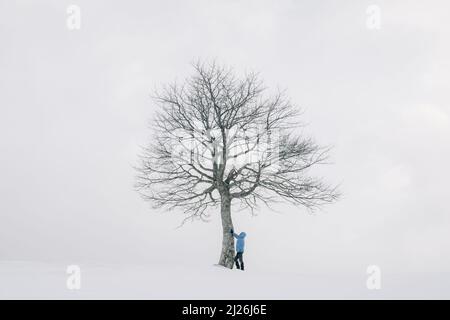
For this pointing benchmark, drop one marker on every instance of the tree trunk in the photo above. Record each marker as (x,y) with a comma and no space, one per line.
(227,255)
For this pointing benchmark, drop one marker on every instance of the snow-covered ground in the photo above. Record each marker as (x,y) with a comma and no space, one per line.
(31,280)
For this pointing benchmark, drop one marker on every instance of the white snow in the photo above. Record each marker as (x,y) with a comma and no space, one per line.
(33,280)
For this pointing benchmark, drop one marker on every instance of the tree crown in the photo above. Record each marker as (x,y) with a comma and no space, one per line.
(219,137)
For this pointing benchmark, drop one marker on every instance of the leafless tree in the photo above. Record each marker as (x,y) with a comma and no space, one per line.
(218,140)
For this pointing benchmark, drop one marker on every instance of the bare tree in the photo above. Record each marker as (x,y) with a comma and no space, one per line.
(219,140)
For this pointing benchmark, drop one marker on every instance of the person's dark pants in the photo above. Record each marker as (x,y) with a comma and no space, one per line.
(239,260)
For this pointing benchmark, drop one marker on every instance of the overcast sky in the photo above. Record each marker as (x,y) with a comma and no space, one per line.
(75,106)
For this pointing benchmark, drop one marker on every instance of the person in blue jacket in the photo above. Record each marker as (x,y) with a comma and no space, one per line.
(240,244)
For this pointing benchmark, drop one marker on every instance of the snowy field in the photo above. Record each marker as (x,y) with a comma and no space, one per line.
(26,280)
(75,109)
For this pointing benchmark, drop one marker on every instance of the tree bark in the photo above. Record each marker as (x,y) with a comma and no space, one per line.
(227,255)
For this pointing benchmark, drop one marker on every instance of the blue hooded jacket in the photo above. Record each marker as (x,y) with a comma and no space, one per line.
(240,243)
